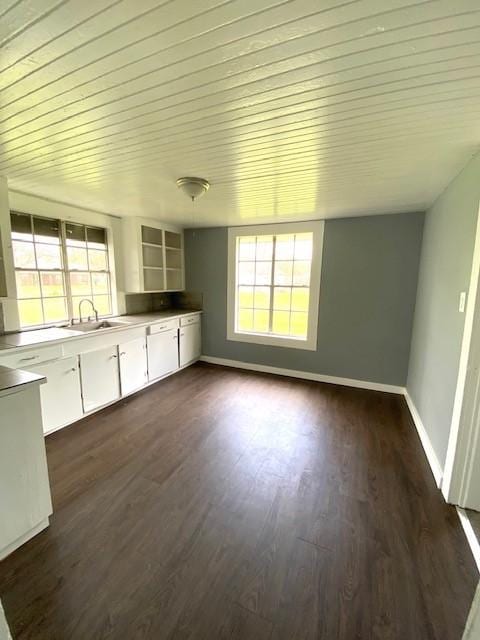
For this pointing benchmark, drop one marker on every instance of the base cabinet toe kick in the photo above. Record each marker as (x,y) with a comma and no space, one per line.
(86,374)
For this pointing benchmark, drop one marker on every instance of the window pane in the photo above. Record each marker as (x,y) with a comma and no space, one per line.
(52,284)
(96,238)
(281,322)
(246,273)
(86,308)
(97,260)
(262,298)
(28,284)
(23,255)
(303,246)
(301,274)
(30,312)
(55,309)
(100,283)
(300,298)
(283,273)
(260,321)
(298,324)
(281,298)
(46,230)
(80,284)
(21,226)
(48,256)
(264,248)
(245,320)
(263,273)
(102,305)
(246,248)
(245,297)
(284,246)
(77,259)
(75,235)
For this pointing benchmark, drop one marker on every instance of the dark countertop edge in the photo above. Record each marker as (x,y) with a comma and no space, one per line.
(14,380)
(146,319)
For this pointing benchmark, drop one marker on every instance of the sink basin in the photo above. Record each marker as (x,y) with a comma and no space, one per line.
(96,326)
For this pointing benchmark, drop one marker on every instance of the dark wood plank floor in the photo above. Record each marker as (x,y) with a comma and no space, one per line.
(227,504)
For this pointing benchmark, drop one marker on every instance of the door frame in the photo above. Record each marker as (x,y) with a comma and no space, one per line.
(465,426)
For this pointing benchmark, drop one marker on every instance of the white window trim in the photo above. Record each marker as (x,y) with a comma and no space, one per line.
(315,227)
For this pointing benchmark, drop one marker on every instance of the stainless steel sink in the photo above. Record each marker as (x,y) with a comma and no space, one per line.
(86,327)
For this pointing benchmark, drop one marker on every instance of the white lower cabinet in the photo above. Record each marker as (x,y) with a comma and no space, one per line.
(100,379)
(132,357)
(190,345)
(162,350)
(61,395)
(25,502)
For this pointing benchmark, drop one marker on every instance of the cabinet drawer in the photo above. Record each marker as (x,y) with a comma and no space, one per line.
(22,359)
(184,322)
(166,325)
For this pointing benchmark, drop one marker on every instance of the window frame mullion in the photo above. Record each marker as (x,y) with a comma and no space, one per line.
(272,284)
(66,275)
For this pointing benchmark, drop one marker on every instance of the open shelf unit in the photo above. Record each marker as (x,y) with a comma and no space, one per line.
(156,263)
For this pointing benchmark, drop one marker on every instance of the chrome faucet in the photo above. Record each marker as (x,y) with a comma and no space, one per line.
(80,310)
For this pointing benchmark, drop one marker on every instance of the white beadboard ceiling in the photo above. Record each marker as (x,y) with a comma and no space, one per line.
(293,109)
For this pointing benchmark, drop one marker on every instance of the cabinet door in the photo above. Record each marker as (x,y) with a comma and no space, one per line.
(61,395)
(190,343)
(162,350)
(133,365)
(100,379)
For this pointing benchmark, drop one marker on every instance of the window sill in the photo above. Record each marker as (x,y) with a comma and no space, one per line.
(273,341)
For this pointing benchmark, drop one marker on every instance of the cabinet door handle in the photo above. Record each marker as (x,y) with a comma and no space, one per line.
(175,337)
(29,358)
(182,334)
(114,356)
(72,370)
(122,353)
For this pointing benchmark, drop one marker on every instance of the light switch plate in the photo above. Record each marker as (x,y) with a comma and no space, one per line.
(463,299)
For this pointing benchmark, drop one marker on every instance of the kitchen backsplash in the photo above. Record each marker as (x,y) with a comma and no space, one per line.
(148,302)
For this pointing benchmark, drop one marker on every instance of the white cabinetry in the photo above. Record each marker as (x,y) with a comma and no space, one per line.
(25,502)
(153,256)
(190,343)
(162,349)
(132,357)
(61,395)
(100,379)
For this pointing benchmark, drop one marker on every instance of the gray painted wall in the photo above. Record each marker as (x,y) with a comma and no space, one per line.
(367,297)
(446,263)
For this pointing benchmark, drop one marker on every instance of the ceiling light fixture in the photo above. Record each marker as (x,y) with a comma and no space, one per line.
(193,187)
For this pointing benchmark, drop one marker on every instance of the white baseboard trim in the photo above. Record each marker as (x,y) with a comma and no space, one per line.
(305,375)
(433,461)
(471,535)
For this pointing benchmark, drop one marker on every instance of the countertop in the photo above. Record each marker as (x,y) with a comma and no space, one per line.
(16,379)
(41,336)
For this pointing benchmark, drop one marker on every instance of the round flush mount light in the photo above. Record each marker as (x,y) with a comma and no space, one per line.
(193,187)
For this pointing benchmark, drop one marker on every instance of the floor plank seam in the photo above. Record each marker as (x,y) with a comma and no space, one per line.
(314,544)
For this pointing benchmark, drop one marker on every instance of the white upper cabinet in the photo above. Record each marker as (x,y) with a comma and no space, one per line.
(153,256)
